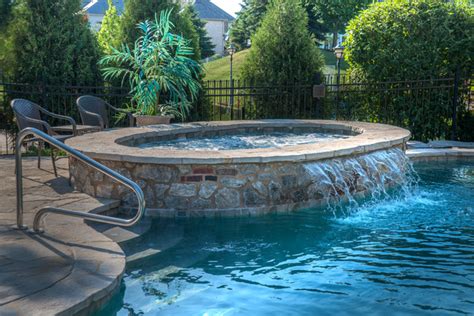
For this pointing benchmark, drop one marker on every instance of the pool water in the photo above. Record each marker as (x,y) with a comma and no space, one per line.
(244,141)
(409,253)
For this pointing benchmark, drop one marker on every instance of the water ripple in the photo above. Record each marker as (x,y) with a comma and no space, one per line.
(403,254)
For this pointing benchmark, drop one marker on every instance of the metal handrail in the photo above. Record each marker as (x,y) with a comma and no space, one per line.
(85,159)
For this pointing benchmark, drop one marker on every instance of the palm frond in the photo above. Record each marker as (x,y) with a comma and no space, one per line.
(159,64)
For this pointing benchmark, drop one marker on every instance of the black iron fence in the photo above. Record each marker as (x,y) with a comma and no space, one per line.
(430,108)
(242,100)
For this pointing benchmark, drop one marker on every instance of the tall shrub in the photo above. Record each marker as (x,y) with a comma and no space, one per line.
(409,40)
(109,33)
(50,42)
(283,51)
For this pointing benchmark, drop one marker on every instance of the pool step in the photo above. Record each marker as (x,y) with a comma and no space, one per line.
(123,235)
(141,249)
(131,239)
(138,256)
(107,207)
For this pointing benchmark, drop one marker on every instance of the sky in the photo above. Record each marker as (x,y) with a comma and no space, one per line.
(230,6)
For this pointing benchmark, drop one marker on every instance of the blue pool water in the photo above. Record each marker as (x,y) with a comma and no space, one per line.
(244,141)
(409,253)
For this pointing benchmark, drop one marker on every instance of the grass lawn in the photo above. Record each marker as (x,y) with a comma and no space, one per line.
(220,69)
(330,62)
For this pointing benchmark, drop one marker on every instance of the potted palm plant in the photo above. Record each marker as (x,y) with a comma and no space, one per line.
(162,76)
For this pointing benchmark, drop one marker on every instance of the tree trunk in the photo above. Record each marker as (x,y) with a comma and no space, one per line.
(334,39)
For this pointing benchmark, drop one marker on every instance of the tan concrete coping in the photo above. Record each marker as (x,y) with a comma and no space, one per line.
(429,154)
(113,144)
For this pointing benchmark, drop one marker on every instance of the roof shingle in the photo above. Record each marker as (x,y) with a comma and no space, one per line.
(209,11)
(205,8)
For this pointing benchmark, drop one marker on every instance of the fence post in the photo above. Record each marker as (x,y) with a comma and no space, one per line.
(44,97)
(232,98)
(4,105)
(455,103)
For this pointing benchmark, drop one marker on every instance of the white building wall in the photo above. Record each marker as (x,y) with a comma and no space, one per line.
(216,31)
(95,20)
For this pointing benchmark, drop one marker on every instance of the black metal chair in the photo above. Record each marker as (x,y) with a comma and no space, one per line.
(28,114)
(94,111)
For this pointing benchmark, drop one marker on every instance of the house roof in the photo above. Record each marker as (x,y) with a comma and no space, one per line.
(205,8)
(209,11)
(100,6)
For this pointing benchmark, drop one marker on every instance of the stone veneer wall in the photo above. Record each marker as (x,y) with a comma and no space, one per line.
(208,190)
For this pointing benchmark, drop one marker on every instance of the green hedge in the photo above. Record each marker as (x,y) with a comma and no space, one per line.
(414,39)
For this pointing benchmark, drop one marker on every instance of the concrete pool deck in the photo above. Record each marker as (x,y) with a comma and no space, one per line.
(64,271)
(72,267)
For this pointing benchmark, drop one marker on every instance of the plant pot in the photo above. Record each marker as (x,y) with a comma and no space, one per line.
(145,120)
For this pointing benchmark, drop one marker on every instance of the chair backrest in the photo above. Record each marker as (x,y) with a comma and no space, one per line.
(95,105)
(25,108)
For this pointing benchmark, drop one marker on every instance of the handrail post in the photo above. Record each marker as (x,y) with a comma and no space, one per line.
(88,161)
(19,181)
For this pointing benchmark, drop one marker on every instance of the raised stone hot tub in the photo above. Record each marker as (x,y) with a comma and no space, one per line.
(180,180)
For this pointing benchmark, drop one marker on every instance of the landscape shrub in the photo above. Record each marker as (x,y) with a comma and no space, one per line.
(400,40)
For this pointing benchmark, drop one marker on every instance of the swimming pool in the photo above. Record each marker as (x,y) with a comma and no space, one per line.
(409,252)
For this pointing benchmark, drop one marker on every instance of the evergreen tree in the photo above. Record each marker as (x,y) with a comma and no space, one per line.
(184,26)
(51,42)
(5,14)
(283,50)
(137,11)
(252,13)
(315,22)
(205,43)
(109,33)
(5,10)
(335,14)
(247,22)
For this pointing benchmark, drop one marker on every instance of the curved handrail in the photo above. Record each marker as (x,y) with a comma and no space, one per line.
(85,159)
